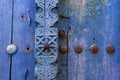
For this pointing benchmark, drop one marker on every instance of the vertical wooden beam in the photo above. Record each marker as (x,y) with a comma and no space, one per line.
(5,37)
(111,31)
(63,41)
(23,38)
(46,41)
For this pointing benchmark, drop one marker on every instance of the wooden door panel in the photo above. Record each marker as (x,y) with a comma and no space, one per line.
(23,38)
(17,27)
(63,40)
(5,37)
(94,22)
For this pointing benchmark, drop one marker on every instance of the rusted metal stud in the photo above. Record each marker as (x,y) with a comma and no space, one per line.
(94,48)
(61,34)
(11,49)
(46,46)
(78,49)
(63,49)
(110,48)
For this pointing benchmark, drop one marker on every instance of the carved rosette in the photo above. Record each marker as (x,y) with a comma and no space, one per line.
(46,66)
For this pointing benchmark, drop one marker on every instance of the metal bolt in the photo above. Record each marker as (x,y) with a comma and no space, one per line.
(63,49)
(46,46)
(11,49)
(110,48)
(78,49)
(94,48)
(61,34)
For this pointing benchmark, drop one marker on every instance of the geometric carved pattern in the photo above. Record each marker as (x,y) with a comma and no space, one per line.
(46,66)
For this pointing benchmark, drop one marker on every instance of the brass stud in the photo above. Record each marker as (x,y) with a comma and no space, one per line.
(63,49)
(110,48)
(61,34)
(94,48)
(78,49)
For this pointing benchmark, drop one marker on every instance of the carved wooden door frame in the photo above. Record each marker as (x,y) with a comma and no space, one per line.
(46,42)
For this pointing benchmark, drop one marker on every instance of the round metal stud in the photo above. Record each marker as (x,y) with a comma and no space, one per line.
(11,49)
(110,48)
(78,49)
(63,49)
(46,46)
(94,48)
(61,34)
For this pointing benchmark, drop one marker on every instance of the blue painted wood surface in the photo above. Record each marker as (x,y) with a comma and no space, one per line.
(94,22)
(85,23)
(5,37)
(63,25)
(17,27)
(23,38)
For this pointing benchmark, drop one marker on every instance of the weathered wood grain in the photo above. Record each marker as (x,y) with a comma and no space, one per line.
(94,22)
(63,25)
(5,37)
(23,38)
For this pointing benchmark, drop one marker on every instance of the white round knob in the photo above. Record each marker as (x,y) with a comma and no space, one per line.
(11,49)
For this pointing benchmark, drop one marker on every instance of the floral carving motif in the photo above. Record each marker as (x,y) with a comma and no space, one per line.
(46,66)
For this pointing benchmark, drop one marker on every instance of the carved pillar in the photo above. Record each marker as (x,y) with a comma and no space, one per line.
(46,50)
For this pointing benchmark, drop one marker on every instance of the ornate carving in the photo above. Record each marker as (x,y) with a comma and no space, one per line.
(46,66)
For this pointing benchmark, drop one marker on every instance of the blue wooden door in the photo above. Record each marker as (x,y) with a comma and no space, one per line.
(88,40)
(17,39)
(74,40)
(94,42)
